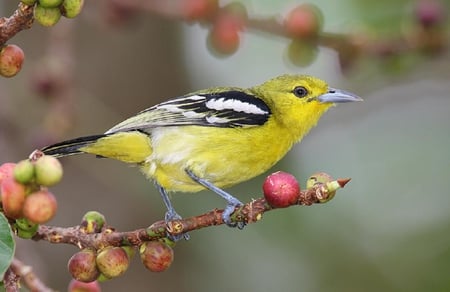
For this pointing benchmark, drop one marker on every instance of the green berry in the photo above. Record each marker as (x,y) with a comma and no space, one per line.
(93,222)
(24,171)
(47,16)
(71,8)
(48,171)
(50,3)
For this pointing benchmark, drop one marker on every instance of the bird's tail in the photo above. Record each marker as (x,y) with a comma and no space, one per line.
(71,147)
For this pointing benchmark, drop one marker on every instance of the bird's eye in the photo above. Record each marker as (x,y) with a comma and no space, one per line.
(300,91)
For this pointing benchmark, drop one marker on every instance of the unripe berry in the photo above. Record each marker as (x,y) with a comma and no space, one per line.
(82,266)
(198,9)
(71,8)
(48,171)
(47,16)
(112,261)
(6,170)
(302,54)
(50,3)
(93,222)
(304,21)
(77,286)
(24,171)
(13,197)
(281,189)
(40,207)
(11,60)
(156,256)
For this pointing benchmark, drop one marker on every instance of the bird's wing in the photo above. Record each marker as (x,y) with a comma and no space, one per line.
(230,108)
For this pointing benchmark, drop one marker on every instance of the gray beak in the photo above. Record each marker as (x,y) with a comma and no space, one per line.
(338,96)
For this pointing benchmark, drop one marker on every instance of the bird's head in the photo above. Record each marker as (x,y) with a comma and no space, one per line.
(298,101)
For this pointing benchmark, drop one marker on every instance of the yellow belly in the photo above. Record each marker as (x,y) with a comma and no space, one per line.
(223,160)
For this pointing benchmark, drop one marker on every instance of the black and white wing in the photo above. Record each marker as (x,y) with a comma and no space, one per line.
(227,108)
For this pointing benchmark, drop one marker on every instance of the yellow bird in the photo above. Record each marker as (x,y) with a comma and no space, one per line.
(214,138)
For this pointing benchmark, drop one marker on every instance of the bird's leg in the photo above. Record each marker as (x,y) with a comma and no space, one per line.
(171,214)
(232,202)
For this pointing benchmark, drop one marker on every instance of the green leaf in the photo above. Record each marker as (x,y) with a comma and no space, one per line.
(7,245)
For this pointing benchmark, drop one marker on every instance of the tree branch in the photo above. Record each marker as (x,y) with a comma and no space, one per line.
(21,19)
(249,213)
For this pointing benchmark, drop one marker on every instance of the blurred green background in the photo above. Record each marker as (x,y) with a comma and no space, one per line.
(388,230)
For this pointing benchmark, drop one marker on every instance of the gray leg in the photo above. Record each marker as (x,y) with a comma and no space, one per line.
(232,202)
(171,214)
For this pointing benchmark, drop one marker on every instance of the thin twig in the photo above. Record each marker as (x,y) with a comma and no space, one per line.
(21,19)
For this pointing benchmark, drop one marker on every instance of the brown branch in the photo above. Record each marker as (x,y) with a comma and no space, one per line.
(248,213)
(25,273)
(21,19)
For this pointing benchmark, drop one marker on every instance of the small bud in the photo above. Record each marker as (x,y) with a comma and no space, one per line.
(77,286)
(71,8)
(13,197)
(93,222)
(156,256)
(327,184)
(112,261)
(26,229)
(24,171)
(82,266)
(48,171)
(40,207)
(11,60)
(281,189)
(47,16)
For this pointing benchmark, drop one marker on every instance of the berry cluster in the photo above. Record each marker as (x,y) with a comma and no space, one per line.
(48,12)
(90,265)
(25,199)
(302,24)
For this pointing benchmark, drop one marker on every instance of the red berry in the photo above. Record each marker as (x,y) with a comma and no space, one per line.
(156,256)
(11,60)
(40,207)
(281,189)
(77,286)
(304,21)
(430,12)
(224,38)
(13,197)
(82,266)
(6,170)
(198,9)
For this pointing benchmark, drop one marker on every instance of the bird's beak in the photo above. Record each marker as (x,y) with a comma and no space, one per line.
(338,96)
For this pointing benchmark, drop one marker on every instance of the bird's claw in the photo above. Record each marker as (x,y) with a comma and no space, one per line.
(171,215)
(228,211)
